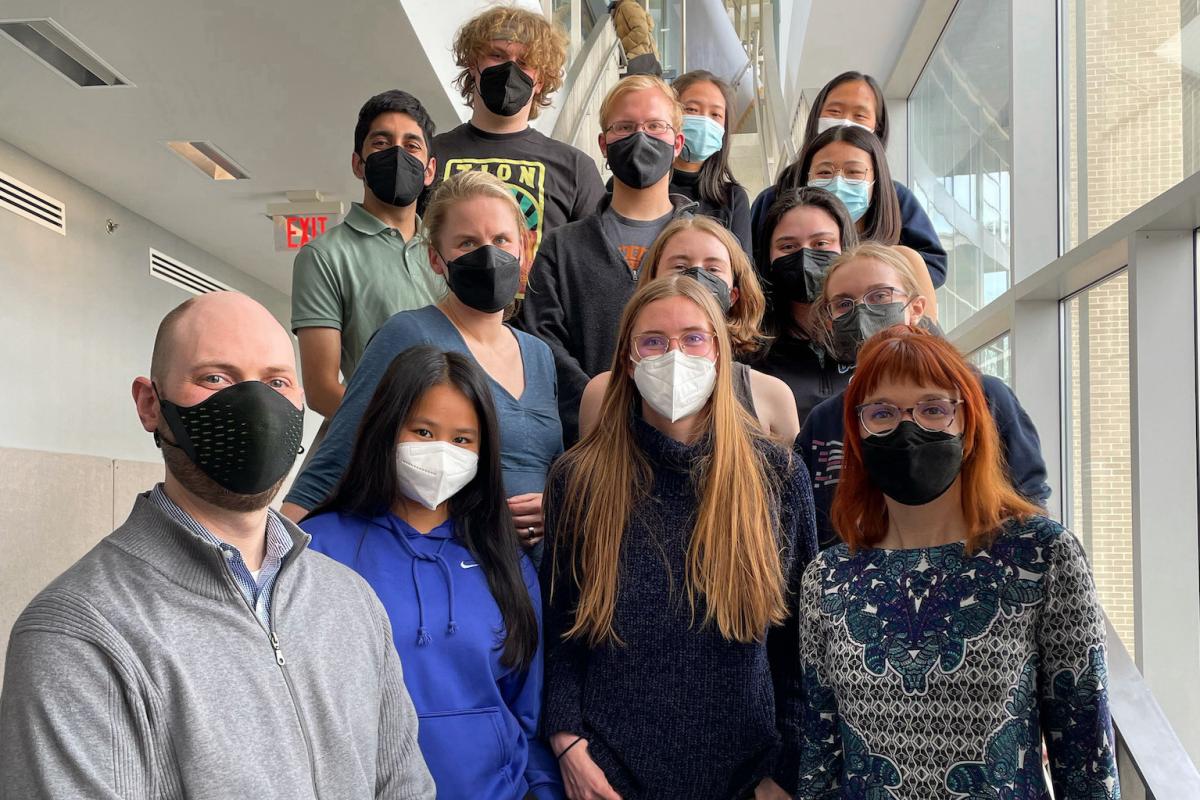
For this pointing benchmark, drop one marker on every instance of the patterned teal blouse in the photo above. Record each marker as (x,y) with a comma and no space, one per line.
(931,673)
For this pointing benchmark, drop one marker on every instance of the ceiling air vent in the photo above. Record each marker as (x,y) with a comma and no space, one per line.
(49,42)
(179,274)
(32,204)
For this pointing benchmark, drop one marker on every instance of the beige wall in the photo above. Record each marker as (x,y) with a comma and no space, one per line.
(54,508)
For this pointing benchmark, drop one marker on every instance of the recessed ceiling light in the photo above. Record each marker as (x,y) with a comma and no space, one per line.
(50,43)
(208,158)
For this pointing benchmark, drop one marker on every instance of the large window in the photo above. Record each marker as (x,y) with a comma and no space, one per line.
(960,154)
(1131,106)
(995,359)
(1097,480)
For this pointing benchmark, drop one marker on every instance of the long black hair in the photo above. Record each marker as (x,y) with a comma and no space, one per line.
(370,485)
(809,196)
(881,113)
(882,222)
(716,178)
(780,313)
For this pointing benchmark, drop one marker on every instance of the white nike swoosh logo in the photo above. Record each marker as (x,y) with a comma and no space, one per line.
(465,565)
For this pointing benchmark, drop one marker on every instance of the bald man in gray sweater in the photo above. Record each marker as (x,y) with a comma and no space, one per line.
(201,650)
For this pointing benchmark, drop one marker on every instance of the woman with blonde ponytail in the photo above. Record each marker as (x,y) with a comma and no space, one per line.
(676,532)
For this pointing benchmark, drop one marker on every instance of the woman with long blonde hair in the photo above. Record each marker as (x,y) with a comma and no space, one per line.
(703,249)
(675,534)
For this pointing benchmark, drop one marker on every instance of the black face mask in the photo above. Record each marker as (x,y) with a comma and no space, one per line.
(713,283)
(798,276)
(394,176)
(486,279)
(911,465)
(851,330)
(505,88)
(245,437)
(639,160)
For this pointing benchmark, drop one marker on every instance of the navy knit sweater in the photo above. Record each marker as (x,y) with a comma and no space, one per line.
(677,710)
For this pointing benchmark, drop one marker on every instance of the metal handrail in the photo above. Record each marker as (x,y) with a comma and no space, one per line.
(1161,760)
(774,92)
(567,129)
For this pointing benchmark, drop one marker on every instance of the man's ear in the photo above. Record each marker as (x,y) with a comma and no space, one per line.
(358,166)
(435,261)
(145,399)
(430,170)
(678,144)
(603,145)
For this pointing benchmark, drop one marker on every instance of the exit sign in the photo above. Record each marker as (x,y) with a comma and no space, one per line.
(294,231)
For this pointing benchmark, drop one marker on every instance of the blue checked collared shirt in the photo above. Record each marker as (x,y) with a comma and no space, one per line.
(279,544)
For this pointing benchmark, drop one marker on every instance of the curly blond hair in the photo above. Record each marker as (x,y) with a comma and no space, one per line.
(545,49)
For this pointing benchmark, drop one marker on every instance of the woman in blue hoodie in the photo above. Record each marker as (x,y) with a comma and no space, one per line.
(420,514)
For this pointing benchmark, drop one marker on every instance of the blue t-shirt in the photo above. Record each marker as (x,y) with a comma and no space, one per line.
(478,717)
(530,432)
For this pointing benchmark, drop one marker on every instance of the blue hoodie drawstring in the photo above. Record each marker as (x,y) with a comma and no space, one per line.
(423,637)
(451,626)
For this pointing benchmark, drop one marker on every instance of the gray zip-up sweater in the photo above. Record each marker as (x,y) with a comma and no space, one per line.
(141,672)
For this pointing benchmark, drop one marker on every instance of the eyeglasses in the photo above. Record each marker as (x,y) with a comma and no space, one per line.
(934,415)
(654,127)
(881,296)
(692,343)
(823,174)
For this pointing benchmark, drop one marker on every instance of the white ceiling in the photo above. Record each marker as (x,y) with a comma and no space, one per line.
(863,35)
(276,84)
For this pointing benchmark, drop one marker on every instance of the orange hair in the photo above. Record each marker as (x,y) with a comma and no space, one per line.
(906,353)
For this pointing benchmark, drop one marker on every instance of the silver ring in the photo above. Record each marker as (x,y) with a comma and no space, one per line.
(530,530)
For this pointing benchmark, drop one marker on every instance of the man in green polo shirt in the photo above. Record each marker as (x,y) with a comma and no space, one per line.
(347,282)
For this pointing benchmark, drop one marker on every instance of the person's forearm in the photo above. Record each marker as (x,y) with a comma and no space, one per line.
(324,398)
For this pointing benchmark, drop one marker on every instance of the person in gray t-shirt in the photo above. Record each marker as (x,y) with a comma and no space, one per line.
(632,237)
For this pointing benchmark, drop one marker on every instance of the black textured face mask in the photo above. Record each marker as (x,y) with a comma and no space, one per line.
(863,322)
(485,279)
(713,283)
(640,160)
(505,88)
(394,176)
(245,437)
(798,276)
(911,465)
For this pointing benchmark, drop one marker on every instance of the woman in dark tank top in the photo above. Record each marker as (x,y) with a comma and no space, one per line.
(704,249)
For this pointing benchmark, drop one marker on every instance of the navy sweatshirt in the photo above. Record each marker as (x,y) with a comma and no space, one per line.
(820,445)
(916,230)
(811,373)
(677,710)
(578,287)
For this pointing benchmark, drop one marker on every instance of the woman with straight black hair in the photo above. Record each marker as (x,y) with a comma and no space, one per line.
(702,170)
(804,231)
(420,513)
(854,99)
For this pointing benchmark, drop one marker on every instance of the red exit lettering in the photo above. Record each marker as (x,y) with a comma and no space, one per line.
(302,230)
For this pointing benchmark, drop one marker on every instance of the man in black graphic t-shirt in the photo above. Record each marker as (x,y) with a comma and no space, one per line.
(512,61)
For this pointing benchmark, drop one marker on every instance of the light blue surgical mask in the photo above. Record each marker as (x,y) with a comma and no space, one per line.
(855,195)
(702,136)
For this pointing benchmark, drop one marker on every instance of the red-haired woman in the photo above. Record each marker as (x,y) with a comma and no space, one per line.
(955,628)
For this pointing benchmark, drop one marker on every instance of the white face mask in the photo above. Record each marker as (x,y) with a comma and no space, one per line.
(825,123)
(433,472)
(675,384)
